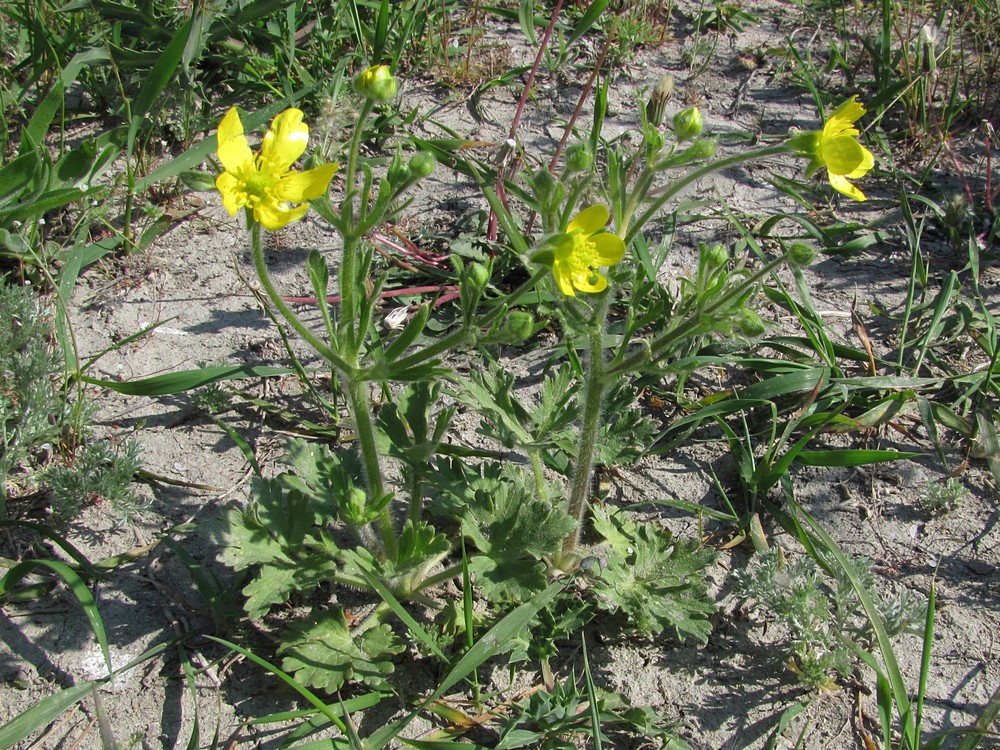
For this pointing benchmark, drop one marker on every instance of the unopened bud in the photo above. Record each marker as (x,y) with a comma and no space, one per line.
(479,275)
(704,148)
(654,140)
(750,324)
(377,84)
(516,328)
(801,254)
(688,124)
(422,165)
(355,508)
(544,184)
(658,100)
(579,158)
(398,173)
(716,256)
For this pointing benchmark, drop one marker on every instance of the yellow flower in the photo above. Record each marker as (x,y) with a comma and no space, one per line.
(265,184)
(836,147)
(583,249)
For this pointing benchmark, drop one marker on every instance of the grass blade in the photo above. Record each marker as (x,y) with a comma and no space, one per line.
(488,646)
(176,382)
(76,585)
(43,713)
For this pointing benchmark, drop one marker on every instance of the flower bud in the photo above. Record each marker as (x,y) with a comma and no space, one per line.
(716,256)
(516,328)
(801,254)
(354,509)
(658,100)
(750,324)
(703,148)
(688,124)
(422,165)
(579,158)
(398,174)
(479,275)
(654,141)
(377,84)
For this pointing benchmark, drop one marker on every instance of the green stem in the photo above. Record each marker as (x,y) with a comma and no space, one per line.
(279,304)
(698,324)
(587,441)
(359,405)
(675,187)
(535,456)
(348,285)
(352,166)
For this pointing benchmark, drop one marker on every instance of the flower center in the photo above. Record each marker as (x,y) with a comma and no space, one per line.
(258,186)
(583,259)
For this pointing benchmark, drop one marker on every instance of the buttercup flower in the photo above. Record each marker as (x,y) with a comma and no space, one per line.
(836,147)
(583,249)
(265,183)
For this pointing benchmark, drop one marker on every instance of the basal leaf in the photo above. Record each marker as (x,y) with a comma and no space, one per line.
(271,585)
(507,579)
(322,653)
(655,580)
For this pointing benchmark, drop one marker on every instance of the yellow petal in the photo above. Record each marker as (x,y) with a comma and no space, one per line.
(584,284)
(842,185)
(234,152)
(609,248)
(298,187)
(844,155)
(590,220)
(233,194)
(867,162)
(841,122)
(563,278)
(284,143)
(273,216)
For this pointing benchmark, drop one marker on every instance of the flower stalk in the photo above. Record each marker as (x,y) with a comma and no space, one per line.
(593,400)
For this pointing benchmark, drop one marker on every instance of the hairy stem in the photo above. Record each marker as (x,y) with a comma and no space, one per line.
(279,304)
(593,399)
(692,177)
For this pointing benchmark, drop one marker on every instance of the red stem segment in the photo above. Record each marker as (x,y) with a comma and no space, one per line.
(492,227)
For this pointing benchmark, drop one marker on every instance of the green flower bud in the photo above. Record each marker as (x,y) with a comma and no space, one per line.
(654,140)
(398,174)
(688,124)
(377,84)
(716,256)
(544,184)
(579,158)
(479,275)
(354,508)
(516,328)
(750,324)
(801,254)
(658,100)
(701,149)
(422,165)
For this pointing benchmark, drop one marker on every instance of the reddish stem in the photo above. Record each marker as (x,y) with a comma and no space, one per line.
(491,233)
